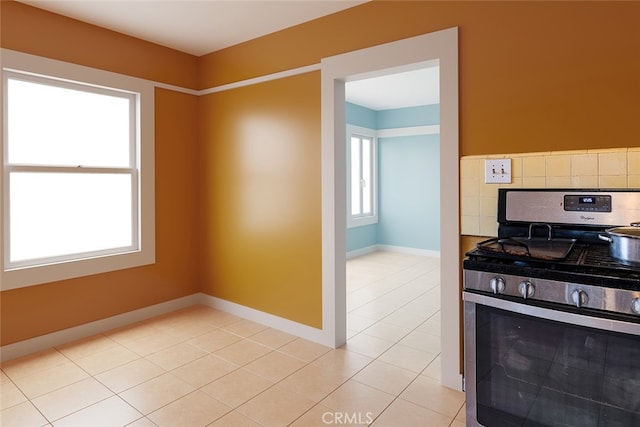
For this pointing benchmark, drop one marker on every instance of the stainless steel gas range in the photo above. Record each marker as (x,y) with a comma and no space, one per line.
(552,319)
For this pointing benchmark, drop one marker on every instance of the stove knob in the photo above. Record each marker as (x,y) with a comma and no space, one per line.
(580,298)
(526,289)
(635,306)
(497,285)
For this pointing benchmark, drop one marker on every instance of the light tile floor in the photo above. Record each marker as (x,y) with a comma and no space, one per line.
(203,367)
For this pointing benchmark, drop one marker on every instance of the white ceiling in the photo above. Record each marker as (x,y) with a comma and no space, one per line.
(404,89)
(199,27)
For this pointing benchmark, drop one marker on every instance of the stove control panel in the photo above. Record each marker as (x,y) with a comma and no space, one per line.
(587,203)
(566,207)
(614,300)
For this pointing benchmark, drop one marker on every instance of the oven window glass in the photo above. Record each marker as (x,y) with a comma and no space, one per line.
(536,372)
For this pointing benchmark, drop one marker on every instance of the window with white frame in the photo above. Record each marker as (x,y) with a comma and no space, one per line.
(74,176)
(362,176)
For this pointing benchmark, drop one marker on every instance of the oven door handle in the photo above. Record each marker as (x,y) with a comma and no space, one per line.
(555,315)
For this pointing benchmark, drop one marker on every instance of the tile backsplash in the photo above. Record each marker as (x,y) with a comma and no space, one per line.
(607,168)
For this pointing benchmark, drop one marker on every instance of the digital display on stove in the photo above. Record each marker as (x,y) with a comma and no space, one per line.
(582,203)
(587,200)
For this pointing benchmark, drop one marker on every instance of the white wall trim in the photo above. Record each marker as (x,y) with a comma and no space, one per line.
(410,251)
(391,248)
(270,320)
(362,251)
(408,131)
(440,47)
(42,342)
(261,79)
(175,88)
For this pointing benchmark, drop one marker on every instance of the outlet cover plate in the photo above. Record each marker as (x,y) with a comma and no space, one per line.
(497,171)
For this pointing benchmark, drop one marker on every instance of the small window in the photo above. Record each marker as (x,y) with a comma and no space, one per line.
(73,179)
(362,177)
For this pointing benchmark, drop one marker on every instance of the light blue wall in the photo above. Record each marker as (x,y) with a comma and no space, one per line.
(409,180)
(409,189)
(406,117)
(361,116)
(362,237)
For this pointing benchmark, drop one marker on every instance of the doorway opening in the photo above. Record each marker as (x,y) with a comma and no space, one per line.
(393,252)
(409,54)
(397,115)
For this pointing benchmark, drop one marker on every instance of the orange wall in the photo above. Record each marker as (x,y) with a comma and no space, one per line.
(261,206)
(533,75)
(37,310)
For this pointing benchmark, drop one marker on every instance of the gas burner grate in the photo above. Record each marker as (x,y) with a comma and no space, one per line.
(598,256)
(588,263)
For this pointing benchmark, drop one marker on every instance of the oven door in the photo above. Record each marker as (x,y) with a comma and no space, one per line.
(531,366)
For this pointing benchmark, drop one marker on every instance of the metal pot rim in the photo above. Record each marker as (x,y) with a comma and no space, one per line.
(632,232)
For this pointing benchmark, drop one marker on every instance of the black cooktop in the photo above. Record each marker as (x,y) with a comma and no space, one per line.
(586,263)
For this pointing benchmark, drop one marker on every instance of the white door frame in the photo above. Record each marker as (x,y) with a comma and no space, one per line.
(440,48)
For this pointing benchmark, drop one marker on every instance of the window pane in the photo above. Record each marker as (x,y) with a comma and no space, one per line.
(355,176)
(57,214)
(50,125)
(366,176)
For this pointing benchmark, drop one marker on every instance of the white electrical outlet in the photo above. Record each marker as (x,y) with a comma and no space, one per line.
(497,171)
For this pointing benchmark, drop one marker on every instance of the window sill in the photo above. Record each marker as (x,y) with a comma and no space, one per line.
(36,275)
(360,222)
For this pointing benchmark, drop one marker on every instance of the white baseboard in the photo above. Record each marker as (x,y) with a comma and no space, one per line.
(270,320)
(391,248)
(362,251)
(410,251)
(43,342)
